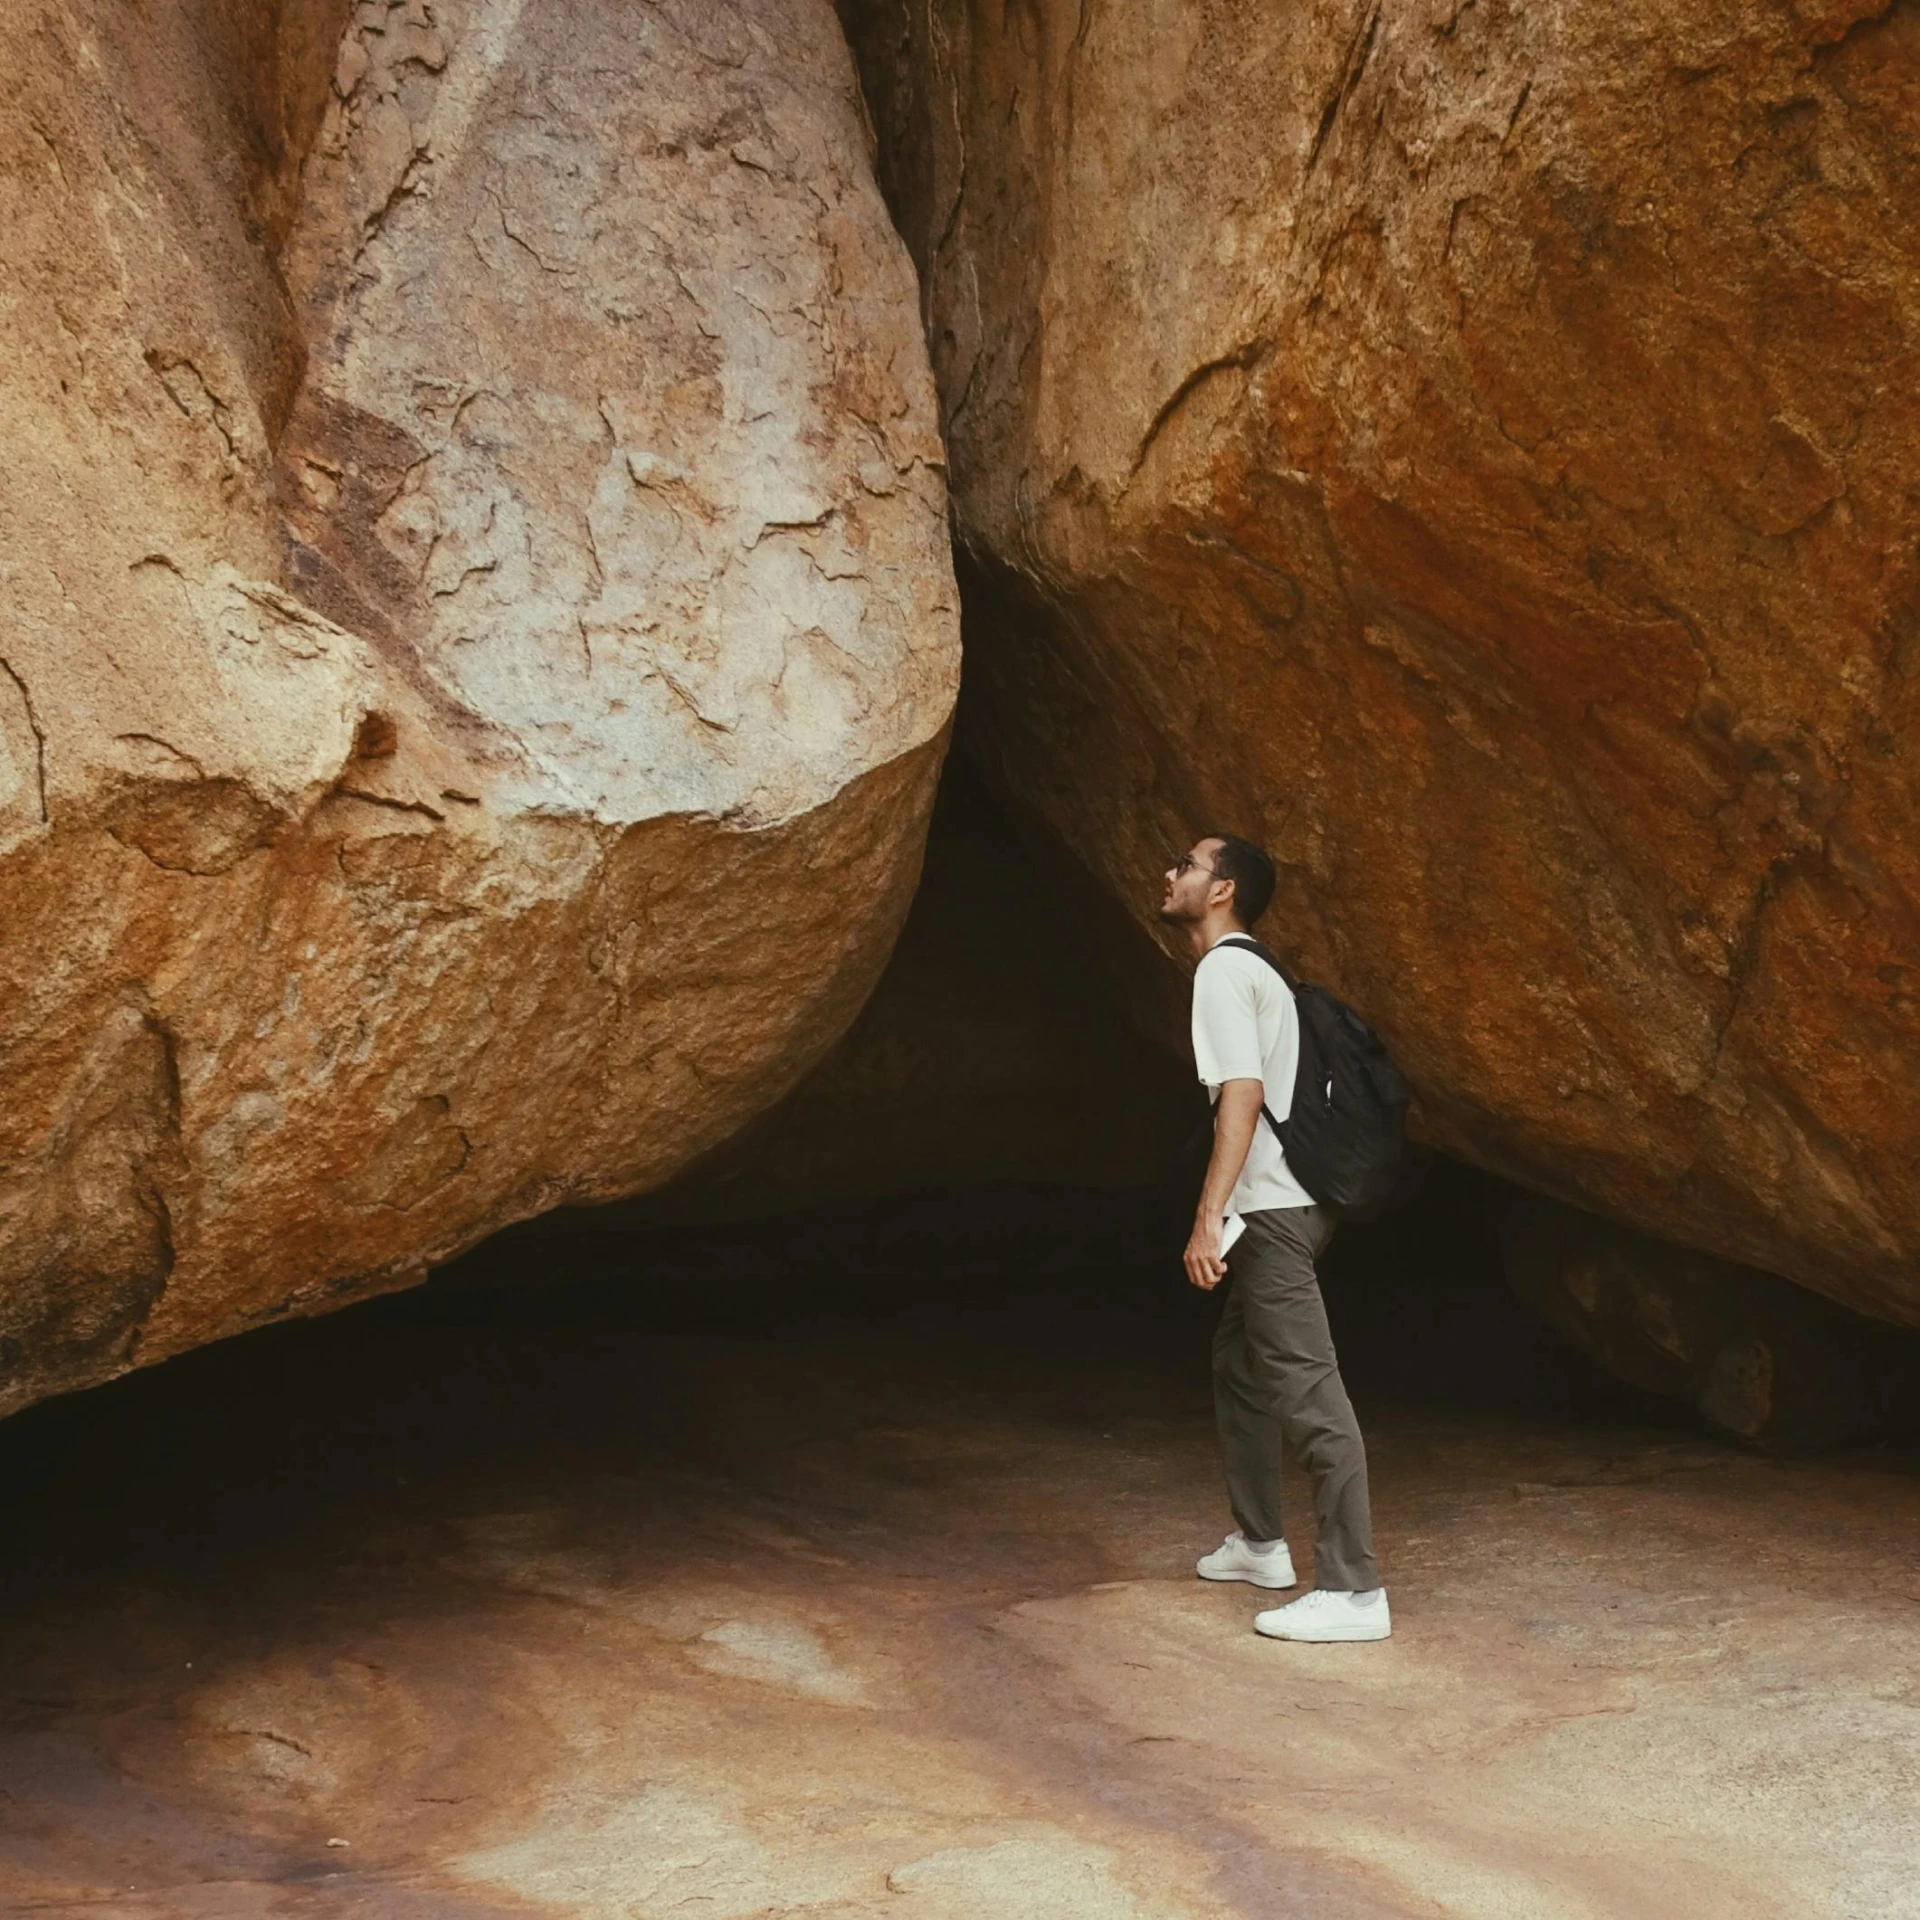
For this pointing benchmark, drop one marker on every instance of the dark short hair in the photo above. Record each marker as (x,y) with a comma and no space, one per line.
(1250,871)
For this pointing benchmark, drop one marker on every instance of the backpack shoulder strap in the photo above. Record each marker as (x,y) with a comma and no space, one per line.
(1249,944)
(1253,946)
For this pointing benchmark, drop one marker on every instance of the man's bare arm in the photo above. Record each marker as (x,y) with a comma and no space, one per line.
(1234,1118)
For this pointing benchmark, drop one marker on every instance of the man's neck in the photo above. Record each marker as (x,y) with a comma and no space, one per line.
(1208,933)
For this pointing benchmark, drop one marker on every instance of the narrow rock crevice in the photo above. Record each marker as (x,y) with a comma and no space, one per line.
(1359,52)
(39,740)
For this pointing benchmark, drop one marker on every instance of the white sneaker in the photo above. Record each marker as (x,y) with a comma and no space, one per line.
(1233,1559)
(1326,1615)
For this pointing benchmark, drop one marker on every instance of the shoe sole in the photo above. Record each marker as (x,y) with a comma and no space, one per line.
(1251,1580)
(1332,1635)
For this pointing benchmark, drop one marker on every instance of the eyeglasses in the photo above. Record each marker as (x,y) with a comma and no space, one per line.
(1180,862)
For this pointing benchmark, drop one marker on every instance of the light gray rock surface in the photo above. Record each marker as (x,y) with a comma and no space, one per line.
(477,627)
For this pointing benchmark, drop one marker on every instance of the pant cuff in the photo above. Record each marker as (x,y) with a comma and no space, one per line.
(1342,1578)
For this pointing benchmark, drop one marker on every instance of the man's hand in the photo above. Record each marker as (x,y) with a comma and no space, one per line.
(1234,1119)
(1205,1268)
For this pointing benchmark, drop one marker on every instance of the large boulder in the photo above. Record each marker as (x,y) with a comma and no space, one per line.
(1471,446)
(477,635)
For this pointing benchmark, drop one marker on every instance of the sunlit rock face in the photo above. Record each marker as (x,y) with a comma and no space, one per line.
(476,631)
(1471,447)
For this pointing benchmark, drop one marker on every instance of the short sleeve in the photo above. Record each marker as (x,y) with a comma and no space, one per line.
(1226,1032)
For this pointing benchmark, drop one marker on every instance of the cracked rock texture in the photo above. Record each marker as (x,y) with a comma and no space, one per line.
(1471,446)
(477,636)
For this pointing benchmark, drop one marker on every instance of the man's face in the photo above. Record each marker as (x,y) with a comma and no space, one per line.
(1190,881)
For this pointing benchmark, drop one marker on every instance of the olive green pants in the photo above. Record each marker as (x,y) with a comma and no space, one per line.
(1275,1380)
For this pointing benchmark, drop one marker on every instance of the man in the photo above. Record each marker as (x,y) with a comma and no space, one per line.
(1274,1371)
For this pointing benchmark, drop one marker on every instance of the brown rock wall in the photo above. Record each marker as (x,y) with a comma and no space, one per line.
(1761,1359)
(1471,447)
(477,628)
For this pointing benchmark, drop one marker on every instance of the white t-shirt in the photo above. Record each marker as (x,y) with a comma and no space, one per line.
(1245,1027)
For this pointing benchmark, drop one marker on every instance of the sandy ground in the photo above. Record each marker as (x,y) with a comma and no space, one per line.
(900,1621)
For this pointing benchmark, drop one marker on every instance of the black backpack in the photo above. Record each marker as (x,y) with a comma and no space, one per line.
(1342,1136)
